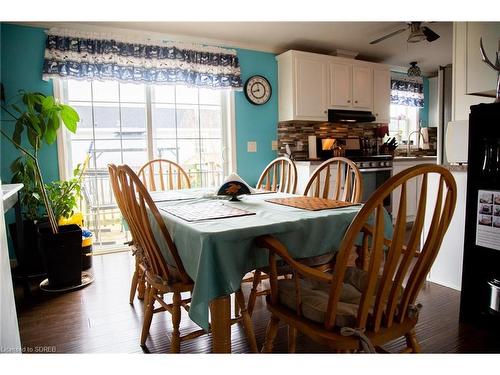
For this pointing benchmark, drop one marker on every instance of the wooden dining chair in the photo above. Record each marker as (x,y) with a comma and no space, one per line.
(347,183)
(163,174)
(280,175)
(354,310)
(348,187)
(164,271)
(138,283)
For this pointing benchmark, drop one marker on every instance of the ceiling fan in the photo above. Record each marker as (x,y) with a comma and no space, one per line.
(417,33)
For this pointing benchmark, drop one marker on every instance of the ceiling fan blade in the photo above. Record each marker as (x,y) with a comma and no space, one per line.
(430,35)
(388,35)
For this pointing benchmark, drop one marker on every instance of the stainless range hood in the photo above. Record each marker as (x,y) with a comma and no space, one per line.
(340,115)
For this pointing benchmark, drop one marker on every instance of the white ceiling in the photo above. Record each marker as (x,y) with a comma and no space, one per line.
(321,37)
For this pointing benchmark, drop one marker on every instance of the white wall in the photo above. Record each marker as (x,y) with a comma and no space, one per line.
(9,330)
(460,100)
(447,268)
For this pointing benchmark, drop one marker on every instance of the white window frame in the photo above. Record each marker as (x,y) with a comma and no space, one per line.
(228,133)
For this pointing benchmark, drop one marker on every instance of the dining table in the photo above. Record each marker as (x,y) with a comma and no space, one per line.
(217,252)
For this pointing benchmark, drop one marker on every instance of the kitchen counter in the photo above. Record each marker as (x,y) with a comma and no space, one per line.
(415,158)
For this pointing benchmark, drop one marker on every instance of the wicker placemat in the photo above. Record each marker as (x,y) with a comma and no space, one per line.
(205,211)
(311,203)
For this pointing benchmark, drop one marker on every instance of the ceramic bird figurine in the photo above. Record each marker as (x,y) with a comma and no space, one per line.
(495,66)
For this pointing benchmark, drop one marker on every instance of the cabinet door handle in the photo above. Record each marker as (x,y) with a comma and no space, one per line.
(325,111)
(348,101)
(355,101)
(376,114)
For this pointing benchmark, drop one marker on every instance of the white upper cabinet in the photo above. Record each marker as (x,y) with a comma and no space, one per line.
(362,88)
(481,79)
(340,85)
(351,86)
(382,95)
(302,86)
(309,84)
(311,88)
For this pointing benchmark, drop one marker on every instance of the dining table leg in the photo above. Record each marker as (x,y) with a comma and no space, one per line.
(220,310)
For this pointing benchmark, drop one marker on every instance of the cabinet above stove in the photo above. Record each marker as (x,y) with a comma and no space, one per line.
(310,84)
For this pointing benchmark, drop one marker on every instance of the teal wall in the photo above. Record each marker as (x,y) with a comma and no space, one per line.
(256,122)
(21,56)
(22,50)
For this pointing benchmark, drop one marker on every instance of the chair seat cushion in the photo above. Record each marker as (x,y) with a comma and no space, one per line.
(315,295)
(284,268)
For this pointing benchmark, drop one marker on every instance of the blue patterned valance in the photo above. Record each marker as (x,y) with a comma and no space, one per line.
(406,92)
(89,57)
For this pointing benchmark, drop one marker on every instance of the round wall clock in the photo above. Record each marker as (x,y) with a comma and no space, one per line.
(257,90)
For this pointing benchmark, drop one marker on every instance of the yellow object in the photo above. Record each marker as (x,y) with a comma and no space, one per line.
(75,219)
(87,241)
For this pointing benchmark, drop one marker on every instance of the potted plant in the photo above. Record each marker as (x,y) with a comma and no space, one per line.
(40,116)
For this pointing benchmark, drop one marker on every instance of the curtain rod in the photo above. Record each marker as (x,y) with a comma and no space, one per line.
(75,33)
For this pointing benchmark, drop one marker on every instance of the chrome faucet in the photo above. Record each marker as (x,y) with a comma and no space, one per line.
(408,146)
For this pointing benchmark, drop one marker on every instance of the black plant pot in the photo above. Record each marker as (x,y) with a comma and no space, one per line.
(63,255)
(31,262)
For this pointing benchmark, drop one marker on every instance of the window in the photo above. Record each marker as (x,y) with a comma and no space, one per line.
(404,120)
(133,123)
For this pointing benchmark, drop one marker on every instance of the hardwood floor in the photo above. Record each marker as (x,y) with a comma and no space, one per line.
(99,319)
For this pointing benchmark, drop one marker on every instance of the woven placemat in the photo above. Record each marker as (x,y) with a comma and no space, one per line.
(311,203)
(205,211)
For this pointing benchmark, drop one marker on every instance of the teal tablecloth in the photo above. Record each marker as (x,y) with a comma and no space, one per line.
(218,253)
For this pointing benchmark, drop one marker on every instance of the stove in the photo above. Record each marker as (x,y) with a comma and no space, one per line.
(372,162)
(375,170)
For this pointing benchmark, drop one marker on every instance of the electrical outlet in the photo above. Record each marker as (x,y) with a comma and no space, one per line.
(274,145)
(299,146)
(252,146)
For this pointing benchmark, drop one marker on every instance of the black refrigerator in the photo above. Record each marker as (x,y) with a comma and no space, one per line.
(481,261)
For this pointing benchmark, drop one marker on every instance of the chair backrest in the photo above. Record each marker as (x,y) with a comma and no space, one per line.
(392,285)
(163,174)
(119,198)
(141,212)
(280,175)
(347,182)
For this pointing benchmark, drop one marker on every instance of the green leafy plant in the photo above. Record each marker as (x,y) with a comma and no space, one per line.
(23,171)
(39,116)
(64,195)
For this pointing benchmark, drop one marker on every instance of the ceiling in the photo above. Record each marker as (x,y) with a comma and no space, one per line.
(321,37)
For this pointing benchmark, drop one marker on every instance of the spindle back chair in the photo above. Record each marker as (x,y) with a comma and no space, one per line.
(348,186)
(164,270)
(280,175)
(385,304)
(163,174)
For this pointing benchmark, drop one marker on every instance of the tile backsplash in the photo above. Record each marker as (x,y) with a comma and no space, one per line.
(296,132)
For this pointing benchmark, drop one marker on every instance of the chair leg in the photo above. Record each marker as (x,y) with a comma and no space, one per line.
(236,307)
(176,320)
(272,331)
(133,286)
(253,293)
(141,287)
(148,314)
(247,321)
(292,339)
(412,342)
(147,297)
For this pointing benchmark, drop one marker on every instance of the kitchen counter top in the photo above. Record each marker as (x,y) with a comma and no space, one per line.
(415,158)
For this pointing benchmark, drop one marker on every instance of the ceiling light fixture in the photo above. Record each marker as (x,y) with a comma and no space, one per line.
(414,70)
(416,33)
